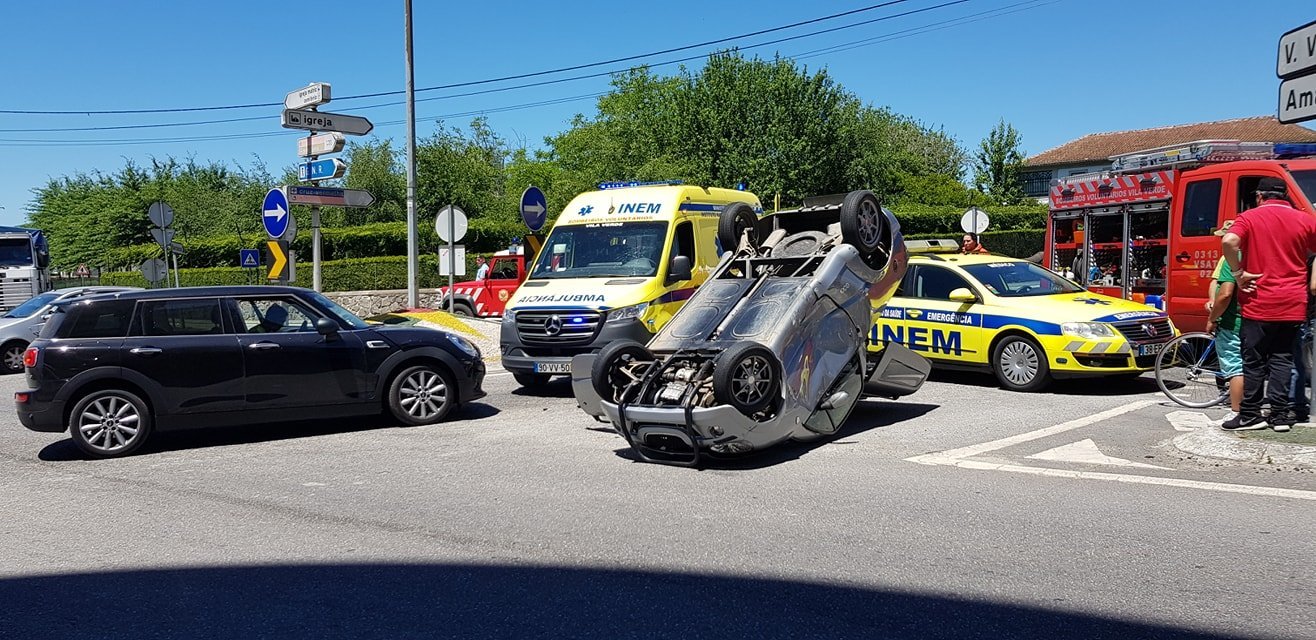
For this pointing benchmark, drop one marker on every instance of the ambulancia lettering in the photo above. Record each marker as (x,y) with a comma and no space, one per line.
(565,297)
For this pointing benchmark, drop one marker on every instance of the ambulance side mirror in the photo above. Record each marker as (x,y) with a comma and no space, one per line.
(963,294)
(679,270)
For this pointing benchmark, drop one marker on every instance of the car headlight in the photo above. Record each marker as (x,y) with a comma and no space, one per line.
(509,316)
(1087,330)
(467,347)
(627,313)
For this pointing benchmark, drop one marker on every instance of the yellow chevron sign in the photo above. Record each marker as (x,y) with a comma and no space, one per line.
(278,260)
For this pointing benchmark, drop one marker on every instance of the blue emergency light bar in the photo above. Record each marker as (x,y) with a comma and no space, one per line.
(1295,149)
(603,186)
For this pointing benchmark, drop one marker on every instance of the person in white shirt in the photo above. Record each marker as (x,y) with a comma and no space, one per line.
(481,268)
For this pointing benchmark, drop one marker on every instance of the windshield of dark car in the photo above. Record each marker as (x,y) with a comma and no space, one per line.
(604,250)
(32,305)
(1306,180)
(1019,279)
(346,316)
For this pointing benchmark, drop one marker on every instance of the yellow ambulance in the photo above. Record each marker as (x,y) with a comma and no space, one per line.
(618,264)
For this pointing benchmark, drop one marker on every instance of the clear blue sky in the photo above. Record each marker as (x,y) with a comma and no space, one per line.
(1056,70)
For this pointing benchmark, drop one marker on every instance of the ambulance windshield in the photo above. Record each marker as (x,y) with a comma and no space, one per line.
(1019,279)
(605,250)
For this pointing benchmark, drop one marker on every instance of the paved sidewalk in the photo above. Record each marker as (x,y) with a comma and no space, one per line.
(1203,437)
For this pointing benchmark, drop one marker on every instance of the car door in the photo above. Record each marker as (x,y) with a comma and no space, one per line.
(936,326)
(1195,249)
(504,278)
(184,347)
(288,363)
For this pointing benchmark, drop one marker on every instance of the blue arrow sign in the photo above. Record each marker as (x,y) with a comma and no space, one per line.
(274,213)
(249,258)
(321,169)
(534,208)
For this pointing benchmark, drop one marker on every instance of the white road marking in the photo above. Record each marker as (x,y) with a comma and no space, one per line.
(958,458)
(1086,452)
(1189,420)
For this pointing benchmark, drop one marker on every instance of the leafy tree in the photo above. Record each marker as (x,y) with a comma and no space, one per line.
(998,163)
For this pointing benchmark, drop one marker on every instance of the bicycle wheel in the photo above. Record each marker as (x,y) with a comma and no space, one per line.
(1188,371)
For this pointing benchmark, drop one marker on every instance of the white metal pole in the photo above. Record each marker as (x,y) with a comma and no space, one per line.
(452,252)
(175,255)
(412,257)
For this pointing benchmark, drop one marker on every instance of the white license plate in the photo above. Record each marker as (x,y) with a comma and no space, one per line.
(1150,349)
(552,367)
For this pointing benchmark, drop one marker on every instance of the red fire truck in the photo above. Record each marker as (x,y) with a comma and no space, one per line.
(1145,230)
(487,297)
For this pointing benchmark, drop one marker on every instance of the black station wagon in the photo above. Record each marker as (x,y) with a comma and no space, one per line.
(111,369)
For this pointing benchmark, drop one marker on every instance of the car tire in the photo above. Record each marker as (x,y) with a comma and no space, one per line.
(531,379)
(606,374)
(863,223)
(422,394)
(1020,364)
(747,377)
(734,220)
(110,423)
(13,356)
(462,309)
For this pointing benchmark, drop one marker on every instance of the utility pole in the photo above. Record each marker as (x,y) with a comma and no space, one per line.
(412,255)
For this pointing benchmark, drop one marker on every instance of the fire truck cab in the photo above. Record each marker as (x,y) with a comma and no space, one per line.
(1145,231)
(488,297)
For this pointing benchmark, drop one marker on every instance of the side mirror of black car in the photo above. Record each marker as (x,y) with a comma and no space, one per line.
(326,327)
(679,270)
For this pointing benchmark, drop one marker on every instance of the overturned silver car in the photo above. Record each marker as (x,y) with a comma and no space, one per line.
(772,347)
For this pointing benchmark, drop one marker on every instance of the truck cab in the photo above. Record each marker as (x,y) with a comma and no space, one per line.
(1145,231)
(487,298)
(24,258)
(618,264)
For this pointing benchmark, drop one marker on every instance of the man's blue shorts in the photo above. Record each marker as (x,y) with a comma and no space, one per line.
(1229,349)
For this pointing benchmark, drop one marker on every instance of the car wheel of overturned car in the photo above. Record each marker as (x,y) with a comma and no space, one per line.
(423,394)
(13,357)
(531,379)
(735,219)
(862,223)
(746,377)
(1020,364)
(612,371)
(109,423)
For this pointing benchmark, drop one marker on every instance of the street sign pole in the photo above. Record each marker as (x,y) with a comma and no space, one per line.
(452,253)
(413,260)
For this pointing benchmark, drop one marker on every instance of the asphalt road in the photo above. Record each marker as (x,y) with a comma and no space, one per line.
(521,518)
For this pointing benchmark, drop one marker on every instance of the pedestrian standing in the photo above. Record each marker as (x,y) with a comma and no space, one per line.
(1302,350)
(1271,272)
(1225,322)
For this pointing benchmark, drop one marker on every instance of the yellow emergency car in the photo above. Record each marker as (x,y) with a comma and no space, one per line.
(1025,323)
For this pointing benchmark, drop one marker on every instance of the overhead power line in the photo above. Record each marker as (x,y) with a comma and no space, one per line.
(541,83)
(518,76)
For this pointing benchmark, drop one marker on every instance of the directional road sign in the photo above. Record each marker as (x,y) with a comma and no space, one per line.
(321,169)
(1297,51)
(320,144)
(534,208)
(450,216)
(316,93)
(321,121)
(329,196)
(1297,99)
(274,213)
(161,214)
(278,260)
(162,236)
(249,258)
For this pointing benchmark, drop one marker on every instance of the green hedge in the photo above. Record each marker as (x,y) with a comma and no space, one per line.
(918,219)
(366,241)
(356,274)
(1020,243)
(486,236)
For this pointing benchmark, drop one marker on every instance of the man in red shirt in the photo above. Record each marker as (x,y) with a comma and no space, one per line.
(1275,240)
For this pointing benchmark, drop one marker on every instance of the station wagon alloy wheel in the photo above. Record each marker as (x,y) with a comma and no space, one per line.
(1020,364)
(109,423)
(746,377)
(870,223)
(751,380)
(422,394)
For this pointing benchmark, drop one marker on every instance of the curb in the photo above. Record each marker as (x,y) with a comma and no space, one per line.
(1209,441)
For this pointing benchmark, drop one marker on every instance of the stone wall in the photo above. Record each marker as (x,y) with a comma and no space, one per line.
(370,303)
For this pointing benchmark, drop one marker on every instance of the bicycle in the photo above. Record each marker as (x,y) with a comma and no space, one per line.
(1188,371)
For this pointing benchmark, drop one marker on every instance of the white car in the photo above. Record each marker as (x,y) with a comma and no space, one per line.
(20,325)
